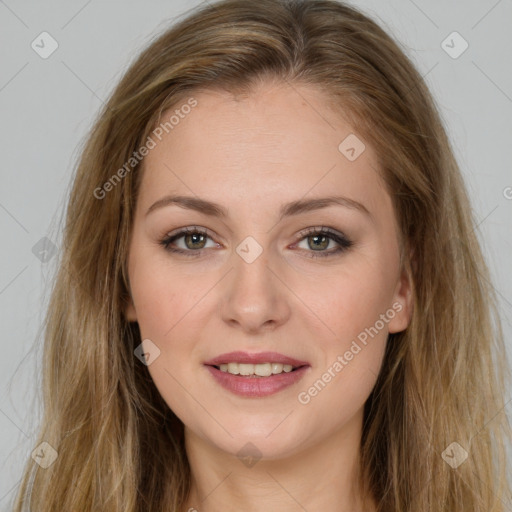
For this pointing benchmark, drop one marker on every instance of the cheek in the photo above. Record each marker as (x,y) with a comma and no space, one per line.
(162,297)
(167,305)
(354,355)
(350,301)
(354,309)
(156,306)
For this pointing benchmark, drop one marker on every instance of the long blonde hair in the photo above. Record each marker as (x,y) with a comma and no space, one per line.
(120,447)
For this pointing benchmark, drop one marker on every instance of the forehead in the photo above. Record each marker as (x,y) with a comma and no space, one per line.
(277,142)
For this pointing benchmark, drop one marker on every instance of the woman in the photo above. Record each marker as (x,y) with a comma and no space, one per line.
(271,295)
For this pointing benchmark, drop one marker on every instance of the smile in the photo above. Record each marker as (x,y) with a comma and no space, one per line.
(256,386)
(256,370)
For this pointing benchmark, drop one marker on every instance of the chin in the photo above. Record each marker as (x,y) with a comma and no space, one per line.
(265,439)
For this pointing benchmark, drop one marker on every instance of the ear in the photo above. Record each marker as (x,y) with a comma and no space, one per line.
(402,300)
(129,310)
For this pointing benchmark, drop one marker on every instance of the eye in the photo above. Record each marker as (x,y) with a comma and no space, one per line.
(320,238)
(194,239)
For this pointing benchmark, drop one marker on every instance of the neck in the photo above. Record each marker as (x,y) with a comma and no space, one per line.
(323,476)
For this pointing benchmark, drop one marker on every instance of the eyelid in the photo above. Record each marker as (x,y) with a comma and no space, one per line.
(320,230)
(171,236)
(342,241)
(179,232)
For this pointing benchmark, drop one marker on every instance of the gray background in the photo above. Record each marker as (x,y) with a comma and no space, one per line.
(47,106)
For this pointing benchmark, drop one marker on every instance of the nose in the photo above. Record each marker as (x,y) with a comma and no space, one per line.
(255,298)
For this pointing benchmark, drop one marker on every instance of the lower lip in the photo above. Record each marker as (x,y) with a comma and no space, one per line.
(257,386)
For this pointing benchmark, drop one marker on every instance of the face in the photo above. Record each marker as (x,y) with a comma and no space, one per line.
(268,273)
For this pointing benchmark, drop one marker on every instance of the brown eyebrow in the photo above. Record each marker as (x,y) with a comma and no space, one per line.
(294,208)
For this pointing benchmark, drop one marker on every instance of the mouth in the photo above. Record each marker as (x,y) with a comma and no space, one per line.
(256,375)
(256,370)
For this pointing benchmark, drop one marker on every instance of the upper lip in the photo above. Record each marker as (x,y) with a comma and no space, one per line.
(254,358)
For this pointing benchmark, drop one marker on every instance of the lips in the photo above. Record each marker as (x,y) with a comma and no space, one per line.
(255,386)
(255,358)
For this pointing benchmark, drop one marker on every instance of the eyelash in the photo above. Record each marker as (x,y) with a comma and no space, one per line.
(343,242)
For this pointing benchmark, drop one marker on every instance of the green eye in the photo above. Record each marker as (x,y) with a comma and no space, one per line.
(195,239)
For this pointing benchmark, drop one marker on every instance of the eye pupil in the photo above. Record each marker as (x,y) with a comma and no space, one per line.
(193,236)
(324,245)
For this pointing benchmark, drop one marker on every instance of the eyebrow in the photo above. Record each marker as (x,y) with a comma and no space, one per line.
(293,208)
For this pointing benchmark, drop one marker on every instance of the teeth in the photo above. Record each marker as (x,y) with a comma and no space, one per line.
(231,368)
(261,370)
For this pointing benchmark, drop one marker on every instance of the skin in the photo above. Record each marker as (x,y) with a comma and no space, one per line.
(252,154)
